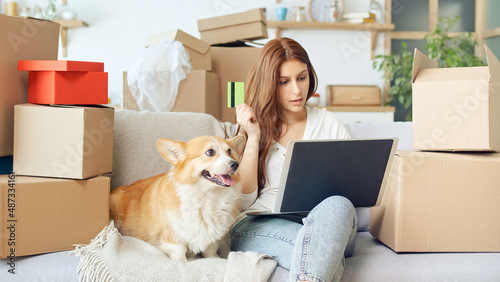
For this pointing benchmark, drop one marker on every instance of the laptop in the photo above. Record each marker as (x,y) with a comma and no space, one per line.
(314,170)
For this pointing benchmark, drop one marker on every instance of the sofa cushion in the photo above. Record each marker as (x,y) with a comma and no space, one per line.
(401,130)
(373,261)
(134,149)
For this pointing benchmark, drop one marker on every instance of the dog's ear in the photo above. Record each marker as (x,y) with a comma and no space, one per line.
(238,143)
(172,151)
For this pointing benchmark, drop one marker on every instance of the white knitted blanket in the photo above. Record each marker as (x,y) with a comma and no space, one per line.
(112,257)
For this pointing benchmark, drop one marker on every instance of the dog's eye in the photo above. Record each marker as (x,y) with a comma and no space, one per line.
(229,152)
(210,153)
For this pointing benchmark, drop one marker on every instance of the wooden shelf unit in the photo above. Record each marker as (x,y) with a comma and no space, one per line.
(331,26)
(65,25)
(480,33)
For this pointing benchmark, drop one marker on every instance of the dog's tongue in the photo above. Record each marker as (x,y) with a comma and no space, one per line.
(228,180)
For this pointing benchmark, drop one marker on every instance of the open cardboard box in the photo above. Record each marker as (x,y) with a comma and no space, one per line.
(63,141)
(456,109)
(22,39)
(249,25)
(209,89)
(198,92)
(50,214)
(199,51)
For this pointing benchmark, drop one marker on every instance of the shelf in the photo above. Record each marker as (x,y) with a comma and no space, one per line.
(492,32)
(374,28)
(71,23)
(331,26)
(65,25)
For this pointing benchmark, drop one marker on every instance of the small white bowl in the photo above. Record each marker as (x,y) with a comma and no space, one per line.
(68,15)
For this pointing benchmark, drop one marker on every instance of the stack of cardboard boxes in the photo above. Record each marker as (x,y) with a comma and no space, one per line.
(22,39)
(446,197)
(53,195)
(205,89)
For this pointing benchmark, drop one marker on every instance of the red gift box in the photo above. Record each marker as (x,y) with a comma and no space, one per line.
(57,82)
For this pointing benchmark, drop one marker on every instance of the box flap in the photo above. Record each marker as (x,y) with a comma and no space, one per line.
(460,75)
(493,64)
(187,40)
(421,61)
(3,16)
(254,15)
(57,65)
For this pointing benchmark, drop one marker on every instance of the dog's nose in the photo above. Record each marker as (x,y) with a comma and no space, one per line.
(234,165)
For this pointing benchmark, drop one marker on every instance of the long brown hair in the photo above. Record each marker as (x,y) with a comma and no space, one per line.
(261,93)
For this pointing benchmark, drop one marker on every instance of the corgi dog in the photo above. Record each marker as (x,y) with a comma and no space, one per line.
(191,207)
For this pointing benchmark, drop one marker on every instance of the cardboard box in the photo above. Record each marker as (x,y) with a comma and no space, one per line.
(22,39)
(199,51)
(41,215)
(440,202)
(63,141)
(456,109)
(353,95)
(232,64)
(56,82)
(249,25)
(198,92)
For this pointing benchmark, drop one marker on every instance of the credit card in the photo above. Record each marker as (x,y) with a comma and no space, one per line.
(235,94)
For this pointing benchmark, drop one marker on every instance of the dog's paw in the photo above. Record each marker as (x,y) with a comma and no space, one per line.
(211,255)
(178,256)
(174,251)
(211,251)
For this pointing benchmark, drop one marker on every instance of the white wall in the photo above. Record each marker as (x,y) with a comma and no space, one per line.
(118,30)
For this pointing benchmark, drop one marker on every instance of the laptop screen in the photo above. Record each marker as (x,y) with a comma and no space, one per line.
(351,168)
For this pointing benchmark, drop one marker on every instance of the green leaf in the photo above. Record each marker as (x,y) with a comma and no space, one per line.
(401,99)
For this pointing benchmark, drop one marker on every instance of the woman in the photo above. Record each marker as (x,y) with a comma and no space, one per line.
(311,248)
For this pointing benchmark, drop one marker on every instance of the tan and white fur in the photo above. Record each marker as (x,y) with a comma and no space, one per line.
(191,207)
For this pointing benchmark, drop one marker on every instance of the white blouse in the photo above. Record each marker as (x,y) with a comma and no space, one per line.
(321,124)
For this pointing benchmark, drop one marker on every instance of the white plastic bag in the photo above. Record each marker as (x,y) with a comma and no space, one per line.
(154,78)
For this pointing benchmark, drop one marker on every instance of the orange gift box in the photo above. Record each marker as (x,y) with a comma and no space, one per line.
(57,82)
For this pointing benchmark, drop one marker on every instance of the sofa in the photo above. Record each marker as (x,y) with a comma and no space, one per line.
(135,157)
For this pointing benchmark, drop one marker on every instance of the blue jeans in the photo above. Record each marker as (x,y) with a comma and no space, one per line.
(313,250)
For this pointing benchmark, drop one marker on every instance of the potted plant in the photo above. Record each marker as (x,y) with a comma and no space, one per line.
(50,12)
(397,71)
(447,51)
